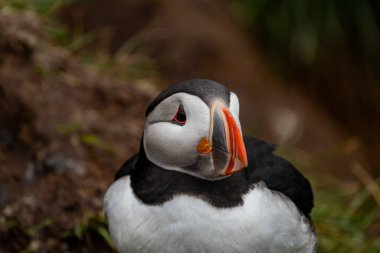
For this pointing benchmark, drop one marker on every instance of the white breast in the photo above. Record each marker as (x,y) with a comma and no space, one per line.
(267,223)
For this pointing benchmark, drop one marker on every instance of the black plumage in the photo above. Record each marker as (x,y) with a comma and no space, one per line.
(154,185)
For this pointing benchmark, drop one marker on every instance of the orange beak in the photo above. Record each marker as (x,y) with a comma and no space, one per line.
(225,142)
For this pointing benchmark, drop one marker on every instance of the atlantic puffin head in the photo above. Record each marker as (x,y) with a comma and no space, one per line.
(193,127)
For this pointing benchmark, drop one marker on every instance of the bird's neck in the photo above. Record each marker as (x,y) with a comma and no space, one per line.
(155,185)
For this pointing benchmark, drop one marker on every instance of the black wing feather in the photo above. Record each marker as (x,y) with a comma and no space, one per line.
(278,174)
(127,167)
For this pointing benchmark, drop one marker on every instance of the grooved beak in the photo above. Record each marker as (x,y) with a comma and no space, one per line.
(225,142)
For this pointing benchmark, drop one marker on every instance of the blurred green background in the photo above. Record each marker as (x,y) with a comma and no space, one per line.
(307,74)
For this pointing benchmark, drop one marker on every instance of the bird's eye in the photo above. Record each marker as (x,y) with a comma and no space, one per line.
(180,116)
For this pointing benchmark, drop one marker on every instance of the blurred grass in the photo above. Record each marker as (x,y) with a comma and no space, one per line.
(307,33)
(346,211)
(346,217)
(95,224)
(124,64)
(89,235)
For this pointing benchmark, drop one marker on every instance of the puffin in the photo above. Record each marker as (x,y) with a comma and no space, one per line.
(198,185)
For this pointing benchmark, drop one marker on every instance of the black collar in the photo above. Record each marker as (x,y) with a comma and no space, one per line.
(154,185)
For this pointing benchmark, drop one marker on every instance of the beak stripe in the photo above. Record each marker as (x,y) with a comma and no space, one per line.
(232,144)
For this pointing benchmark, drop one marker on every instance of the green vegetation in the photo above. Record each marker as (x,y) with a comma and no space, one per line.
(306,33)
(92,231)
(346,217)
(122,64)
(46,10)
(95,224)
(86,139)
(346,212)
(95,141)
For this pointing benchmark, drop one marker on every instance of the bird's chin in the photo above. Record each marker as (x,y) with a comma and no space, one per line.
(212,176)
(205,168)
(202,168)
(218,177)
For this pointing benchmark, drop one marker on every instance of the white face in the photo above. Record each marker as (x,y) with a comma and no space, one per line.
(171,143)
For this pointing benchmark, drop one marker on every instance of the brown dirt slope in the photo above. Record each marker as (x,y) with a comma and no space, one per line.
(64,130)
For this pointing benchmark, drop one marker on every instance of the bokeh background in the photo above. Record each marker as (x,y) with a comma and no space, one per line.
(77,75)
